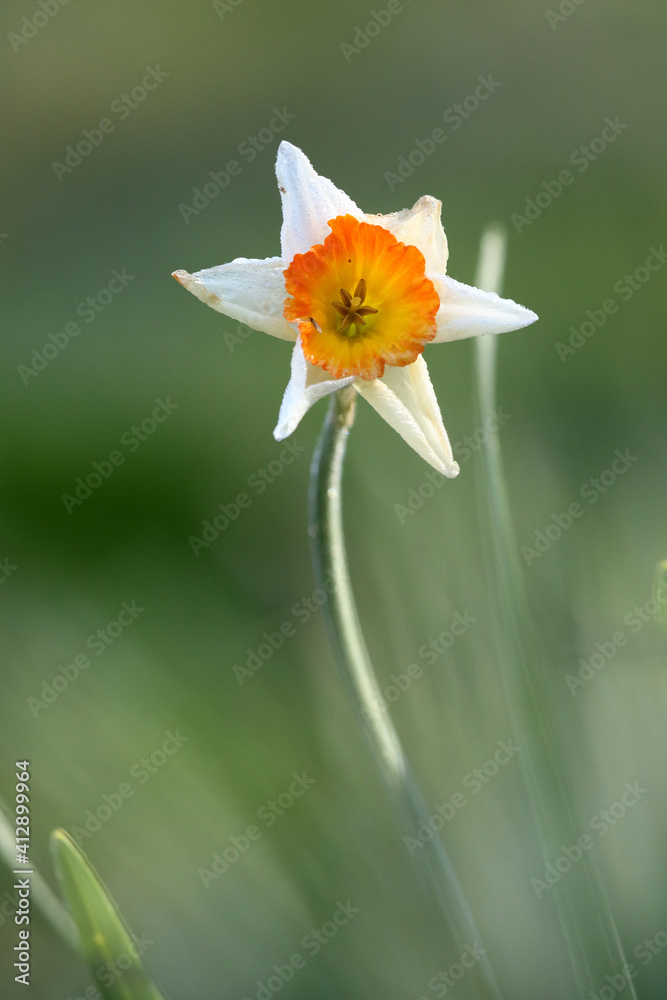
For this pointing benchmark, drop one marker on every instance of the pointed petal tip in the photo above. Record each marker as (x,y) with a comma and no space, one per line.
(522,317)
(428,201)
(451,470)
(288,154)
(188,281)
(443,464)
(194,284)
(285,148)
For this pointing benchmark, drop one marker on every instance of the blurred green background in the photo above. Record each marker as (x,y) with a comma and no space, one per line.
(66,574)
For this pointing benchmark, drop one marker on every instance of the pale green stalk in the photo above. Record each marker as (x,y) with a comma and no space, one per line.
(330,561)
(587,923)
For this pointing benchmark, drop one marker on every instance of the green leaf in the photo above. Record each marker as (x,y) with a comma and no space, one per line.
(110,949)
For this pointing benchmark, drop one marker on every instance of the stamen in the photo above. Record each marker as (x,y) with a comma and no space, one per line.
(352,310)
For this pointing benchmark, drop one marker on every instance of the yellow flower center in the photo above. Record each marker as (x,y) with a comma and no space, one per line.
(361,300)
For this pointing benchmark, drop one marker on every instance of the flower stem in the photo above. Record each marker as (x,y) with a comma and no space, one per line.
(330,563)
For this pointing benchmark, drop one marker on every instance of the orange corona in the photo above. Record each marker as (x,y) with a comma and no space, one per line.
(361,300)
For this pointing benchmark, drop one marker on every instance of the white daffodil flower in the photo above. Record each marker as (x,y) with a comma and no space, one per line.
(359,296)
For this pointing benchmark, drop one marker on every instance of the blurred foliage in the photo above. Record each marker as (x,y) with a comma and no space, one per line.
(172,669)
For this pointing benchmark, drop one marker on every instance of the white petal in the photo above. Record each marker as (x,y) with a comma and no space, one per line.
(466,311)
(250,291)
(309,202)
(404,397)
(419,226)
(307,384)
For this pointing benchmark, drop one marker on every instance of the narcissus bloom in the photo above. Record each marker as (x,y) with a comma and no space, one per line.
(359,296)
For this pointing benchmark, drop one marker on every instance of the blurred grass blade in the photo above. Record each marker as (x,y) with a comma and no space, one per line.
(105,941)
(590,936)
(40,891)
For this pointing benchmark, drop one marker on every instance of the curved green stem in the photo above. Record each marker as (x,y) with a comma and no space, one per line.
(330,562)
